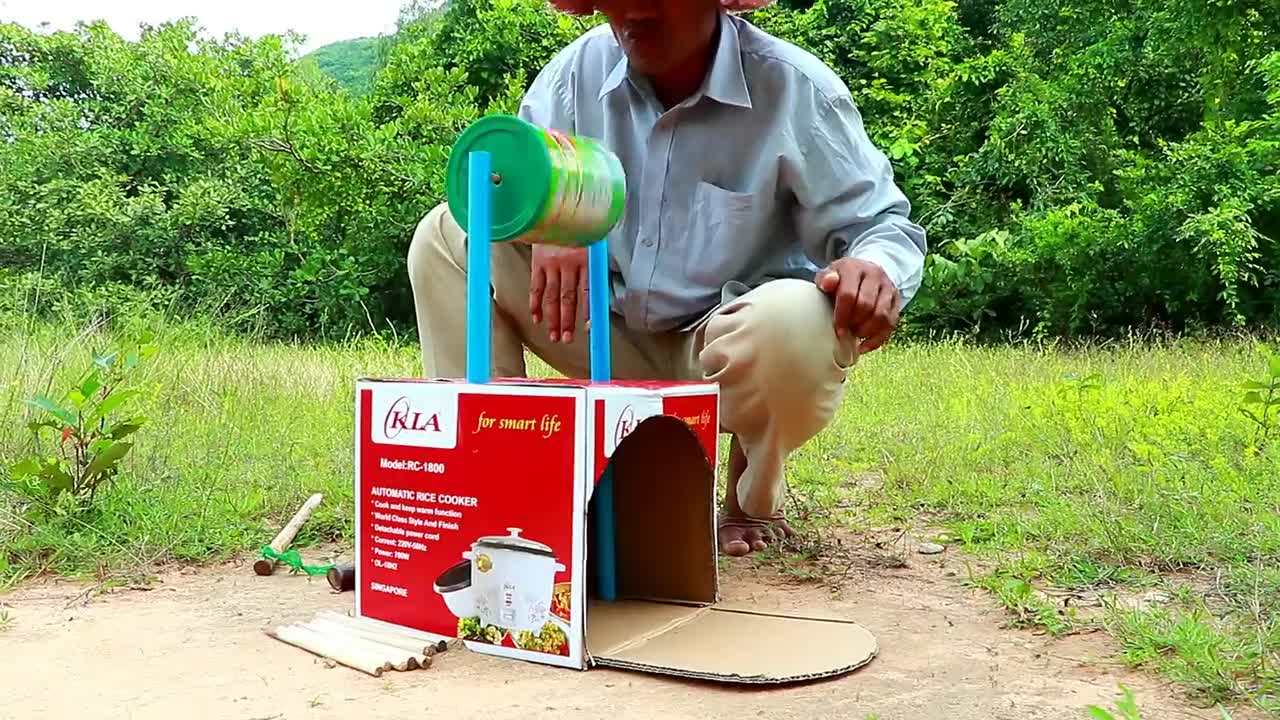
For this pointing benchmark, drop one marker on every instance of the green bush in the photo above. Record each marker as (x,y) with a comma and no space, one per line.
(1081,166)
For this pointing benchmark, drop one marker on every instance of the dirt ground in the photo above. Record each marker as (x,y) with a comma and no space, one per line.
(193,646)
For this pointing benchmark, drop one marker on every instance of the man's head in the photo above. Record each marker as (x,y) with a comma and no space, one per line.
(662,38)
(661,35)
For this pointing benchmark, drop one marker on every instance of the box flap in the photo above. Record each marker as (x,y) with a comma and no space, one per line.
(617,626)
(724,645)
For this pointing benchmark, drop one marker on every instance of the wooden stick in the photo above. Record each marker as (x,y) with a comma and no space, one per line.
(284,538)
(333,647)
(439,642)
(392,642)
(386,638)
(399,659)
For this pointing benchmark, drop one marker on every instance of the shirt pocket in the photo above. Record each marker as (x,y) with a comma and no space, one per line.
(719,225)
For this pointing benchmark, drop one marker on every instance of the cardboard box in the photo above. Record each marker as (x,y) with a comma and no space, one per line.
(472,515)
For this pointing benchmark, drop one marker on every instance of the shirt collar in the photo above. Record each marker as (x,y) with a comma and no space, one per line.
(726,82)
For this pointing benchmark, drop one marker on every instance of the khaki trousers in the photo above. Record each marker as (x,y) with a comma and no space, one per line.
(779,364)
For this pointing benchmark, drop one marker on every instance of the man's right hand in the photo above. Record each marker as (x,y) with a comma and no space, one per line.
(558,283)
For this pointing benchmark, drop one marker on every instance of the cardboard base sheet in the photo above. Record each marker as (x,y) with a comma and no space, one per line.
(724,644)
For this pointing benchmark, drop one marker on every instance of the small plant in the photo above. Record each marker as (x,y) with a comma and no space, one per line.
(1261,402)
(5,620)
(1028,607)
(1126,706)
(1080,385)
(87,425)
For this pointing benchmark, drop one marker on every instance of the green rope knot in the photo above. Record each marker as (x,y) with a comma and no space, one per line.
(294,560)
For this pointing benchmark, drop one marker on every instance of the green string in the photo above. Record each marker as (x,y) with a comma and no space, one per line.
(294,560)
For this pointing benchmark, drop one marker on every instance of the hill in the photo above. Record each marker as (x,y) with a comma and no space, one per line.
(353,63)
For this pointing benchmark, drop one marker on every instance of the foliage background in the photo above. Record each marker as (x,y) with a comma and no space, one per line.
(1082,166)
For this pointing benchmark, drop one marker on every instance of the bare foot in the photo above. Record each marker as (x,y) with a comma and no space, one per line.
(738,534)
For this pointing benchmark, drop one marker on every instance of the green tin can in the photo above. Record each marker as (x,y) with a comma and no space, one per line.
(548,187)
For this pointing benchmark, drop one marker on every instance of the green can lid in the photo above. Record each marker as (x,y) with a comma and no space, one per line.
(521,165)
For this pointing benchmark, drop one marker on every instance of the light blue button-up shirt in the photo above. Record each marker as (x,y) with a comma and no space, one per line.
(766,172)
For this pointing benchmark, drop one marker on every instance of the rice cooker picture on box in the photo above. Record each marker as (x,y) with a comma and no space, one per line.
(504,592)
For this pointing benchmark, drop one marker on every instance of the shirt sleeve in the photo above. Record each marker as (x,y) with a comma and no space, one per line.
(847,202)
(548,102)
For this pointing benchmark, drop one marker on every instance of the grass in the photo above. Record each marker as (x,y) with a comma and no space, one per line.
(240,434)
(1107,470)
(1101,470)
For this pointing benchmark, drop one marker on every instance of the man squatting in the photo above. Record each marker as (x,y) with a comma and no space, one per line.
(765,245)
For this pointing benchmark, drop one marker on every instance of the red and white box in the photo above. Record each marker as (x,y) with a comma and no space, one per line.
(472,506)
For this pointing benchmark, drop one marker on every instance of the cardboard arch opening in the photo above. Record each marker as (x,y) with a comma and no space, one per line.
(667,619)
(664,490)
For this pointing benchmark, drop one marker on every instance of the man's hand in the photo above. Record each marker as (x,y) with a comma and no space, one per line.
(559,280)
(868,304)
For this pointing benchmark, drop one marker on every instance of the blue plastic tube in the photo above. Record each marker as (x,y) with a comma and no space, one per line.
(479,312)
(602,371)
(598,279)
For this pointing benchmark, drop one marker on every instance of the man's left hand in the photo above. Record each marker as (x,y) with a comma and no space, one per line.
(867,303)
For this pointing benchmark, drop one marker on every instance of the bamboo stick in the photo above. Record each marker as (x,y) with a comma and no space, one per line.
(405,658)
(395,658)
(284,538)
(439,642)
(399,641)
(334,647)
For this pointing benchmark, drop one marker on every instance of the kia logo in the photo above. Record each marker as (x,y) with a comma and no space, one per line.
(400,418)
(626,423)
